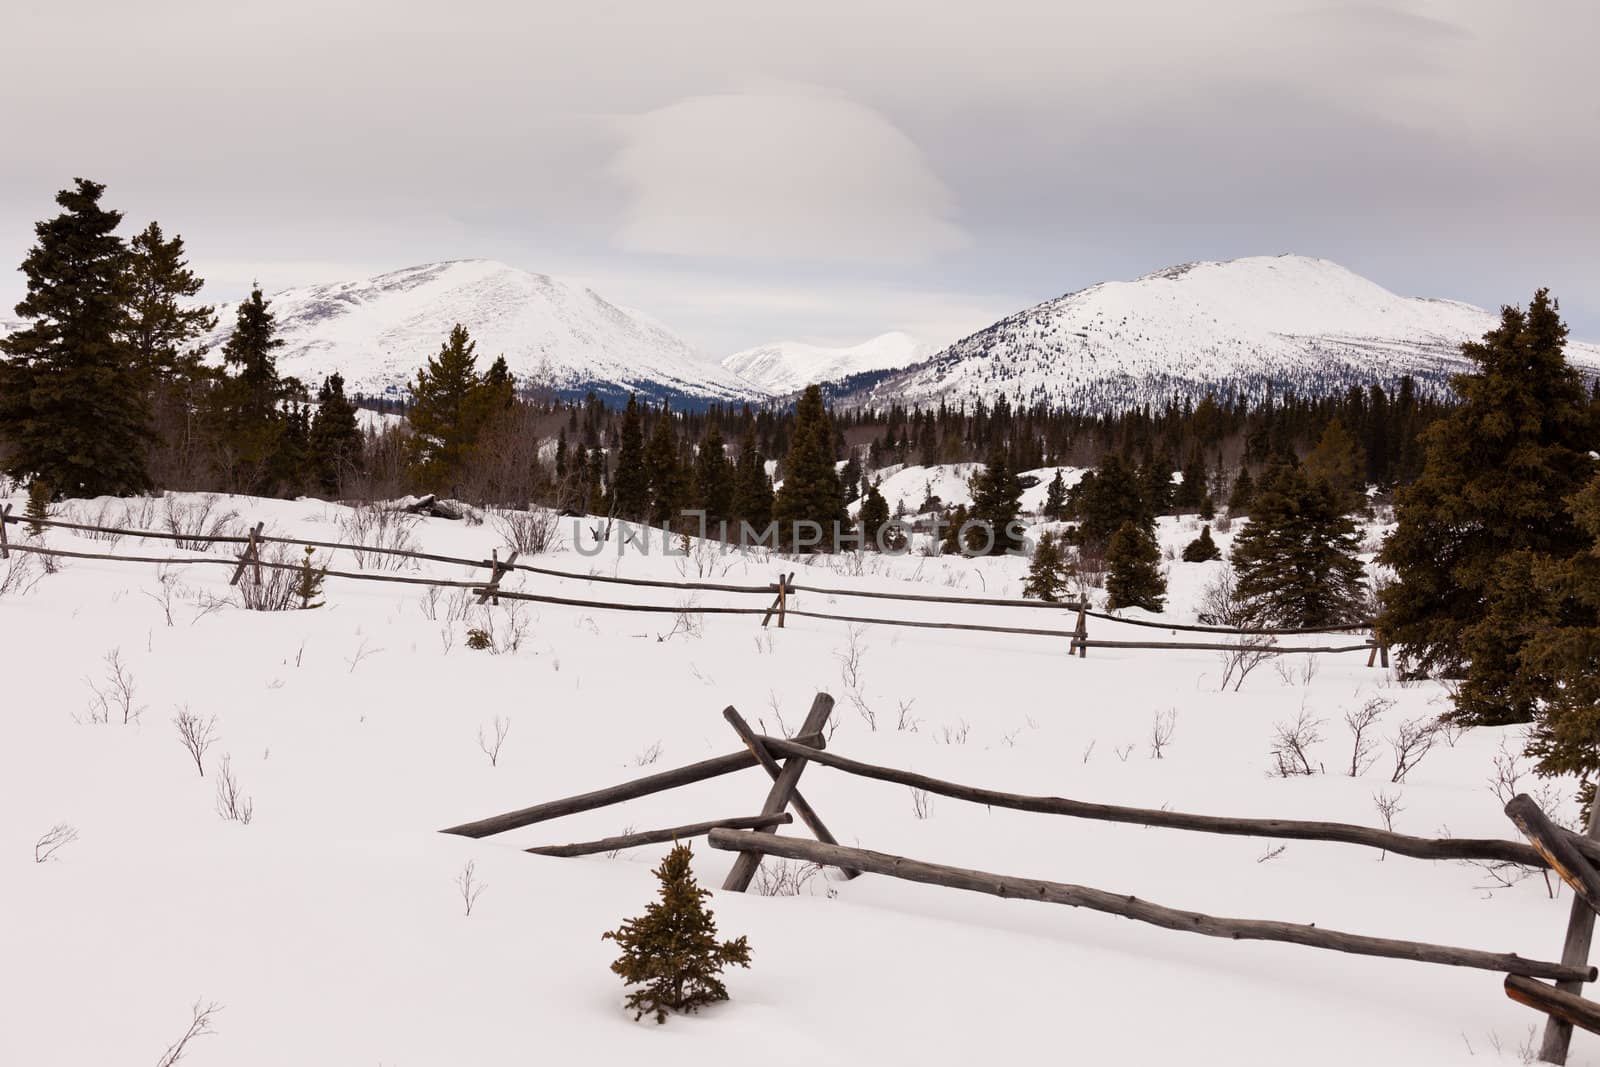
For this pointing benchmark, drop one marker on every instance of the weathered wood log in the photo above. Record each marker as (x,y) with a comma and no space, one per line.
(1219,646)
(782,792)
(1130,907)
(540,598)
(1569,1008)
(497,571)
(968,626)
(1574,952)
(1557,849)
(753,742)
(656,837)
(251,554)
(1286,829)
(927,598)
(616,794)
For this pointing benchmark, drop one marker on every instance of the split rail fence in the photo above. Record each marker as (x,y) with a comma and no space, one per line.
(1574,857)
(783,592)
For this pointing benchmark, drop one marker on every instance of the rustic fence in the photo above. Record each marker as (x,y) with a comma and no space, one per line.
(783,592)
(752,837)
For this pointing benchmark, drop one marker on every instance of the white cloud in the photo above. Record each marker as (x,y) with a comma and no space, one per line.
(780,175)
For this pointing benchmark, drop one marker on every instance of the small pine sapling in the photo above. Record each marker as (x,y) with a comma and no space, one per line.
(308,582)
(1049,573)
(1202,549)
(38,508)
(672,949)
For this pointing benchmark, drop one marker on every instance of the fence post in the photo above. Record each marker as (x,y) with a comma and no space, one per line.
(252,554)
(778,798)
(1080,636)
(783,597)
(497,571)
(1575,952)
(5,517)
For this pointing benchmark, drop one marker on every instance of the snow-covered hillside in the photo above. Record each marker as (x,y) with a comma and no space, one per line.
(1257,324)
(378,331)
(789,366)
(331,930)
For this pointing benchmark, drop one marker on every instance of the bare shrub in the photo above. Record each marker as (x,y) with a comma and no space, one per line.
(955,735)
(490,743)
(530,532)
(469,886)
(1221,605)
(1414,741)
(1291,745)
(20,573)
(114,697)
(171,590)
(281,587)
(687,622)
(852,655)
(197,735)
(52,841)
(1272,854)
(1161,730)
(1296,670)
(362,651)
(503,628)
(784,878)
(1092,569)
(921,803)
(1124,752)
(1361,722)
(454,606)
(376,528)
(232,804)
(199,1026)
(648,755)
(905,722)
(195,523)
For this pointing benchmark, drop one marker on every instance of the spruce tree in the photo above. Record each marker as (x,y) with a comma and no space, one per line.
(752,497)
(1497,468)
(1339,460)
(810,490)
(72,406)
(1049,572)
(38,507)
(996,502)
(1244,490)
(249,425)
(450,405)
(334,446)
(1296,559)
(164,326)
(672,949)
(630,484)
(1106,499)
(1202,549)
(1134,578)
(1055,498)
(874,516)
(1208,509)
(669,487)
(714,478)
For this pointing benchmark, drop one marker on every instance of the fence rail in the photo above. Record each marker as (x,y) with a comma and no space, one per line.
(782,591)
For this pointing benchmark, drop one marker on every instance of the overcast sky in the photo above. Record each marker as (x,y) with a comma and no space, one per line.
(749,171)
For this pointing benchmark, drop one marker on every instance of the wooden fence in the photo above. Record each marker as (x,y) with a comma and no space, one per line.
(752,837)
(782,592)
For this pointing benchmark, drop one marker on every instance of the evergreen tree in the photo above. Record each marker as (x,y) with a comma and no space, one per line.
(450,405)
(752,498)
(1497,468)
(1049,572)
(1055,498)
(1192,490)
(874,515)
(164,329)
(672,949)
(1202,549)
(951,543)
(1108,498)
(1208,509)
(810,490)
(714,478)
(249,423)
(71,403)
(996,502)
(669,487)
(630,484)
(38,507)
(1134,578)
(334,445)
(1244,490)
(1340,461)
(1296,559)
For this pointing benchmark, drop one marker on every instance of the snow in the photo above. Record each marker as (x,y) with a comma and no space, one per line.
(331,932)
(1253,324)
(379,331)
(789,366)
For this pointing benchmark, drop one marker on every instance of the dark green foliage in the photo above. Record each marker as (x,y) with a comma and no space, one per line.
(308,582)
(669,485)
(996,502)
(1340,461)
(810,490)
(752,497)
(1296,559)
(1055,499)
(1192,490)
(450,407)
(1107,499)
(1202,549)
(1556,663)
(1049,572)
(478,639)
(874,516)
(1497,469)
(1244,491)
(713,478)
(250,426)
(335,438)
(630,485)
(672,949)
(164,329)
(72,405)
(950,543)
(1134,579)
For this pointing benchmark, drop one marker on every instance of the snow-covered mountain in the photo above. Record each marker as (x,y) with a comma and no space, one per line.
(378,331)
(789,366)
(1253,325)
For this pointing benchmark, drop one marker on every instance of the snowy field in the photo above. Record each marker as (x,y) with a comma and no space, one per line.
(330,929)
